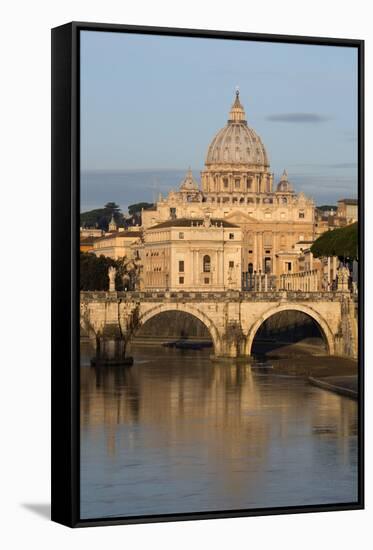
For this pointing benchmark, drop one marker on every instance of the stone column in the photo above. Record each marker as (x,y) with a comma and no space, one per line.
(215,268)
(262,266)
(260,251)
(196,268)
(274,252)
(334,268)
(255,252)
(192,266)
(328,273)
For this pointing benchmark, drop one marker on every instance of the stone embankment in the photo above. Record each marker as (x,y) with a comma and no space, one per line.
(337,374)
(344,385)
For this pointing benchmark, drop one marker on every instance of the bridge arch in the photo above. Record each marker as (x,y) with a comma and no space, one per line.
(321,322)
(189,309)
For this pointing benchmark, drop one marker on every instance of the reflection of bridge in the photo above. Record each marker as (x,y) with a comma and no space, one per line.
(232,318)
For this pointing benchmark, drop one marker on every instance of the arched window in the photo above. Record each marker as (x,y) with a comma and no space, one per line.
(206,264)
(250,268)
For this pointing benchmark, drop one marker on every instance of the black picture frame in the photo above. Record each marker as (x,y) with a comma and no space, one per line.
(65,274)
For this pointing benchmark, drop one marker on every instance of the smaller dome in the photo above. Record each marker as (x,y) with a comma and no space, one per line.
(189,183)
(284,186)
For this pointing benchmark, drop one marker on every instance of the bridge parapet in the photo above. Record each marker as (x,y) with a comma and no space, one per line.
(228,296)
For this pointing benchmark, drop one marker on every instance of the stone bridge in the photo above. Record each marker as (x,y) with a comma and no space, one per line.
(232,318)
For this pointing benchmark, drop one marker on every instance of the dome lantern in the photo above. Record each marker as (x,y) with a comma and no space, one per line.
(237,112)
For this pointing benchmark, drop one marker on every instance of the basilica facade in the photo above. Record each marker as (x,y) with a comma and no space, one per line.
(236,225)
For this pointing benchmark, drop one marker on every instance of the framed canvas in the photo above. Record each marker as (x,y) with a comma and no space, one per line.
(207,274)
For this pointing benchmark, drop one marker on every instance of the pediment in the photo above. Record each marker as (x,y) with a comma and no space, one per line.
(240,217)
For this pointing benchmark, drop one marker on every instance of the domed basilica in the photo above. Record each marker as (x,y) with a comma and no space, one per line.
(215,236)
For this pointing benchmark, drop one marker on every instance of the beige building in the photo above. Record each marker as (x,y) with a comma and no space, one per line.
(117,244)
(88,236)
(237,187)
(91,232)
(236,230)
(348,209)
(192,254)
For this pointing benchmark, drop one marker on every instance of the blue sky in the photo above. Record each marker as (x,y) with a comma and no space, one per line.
(155,103)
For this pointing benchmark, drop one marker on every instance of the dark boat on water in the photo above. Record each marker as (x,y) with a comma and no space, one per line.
(100,362)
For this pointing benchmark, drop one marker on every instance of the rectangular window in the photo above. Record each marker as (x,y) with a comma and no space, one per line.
(288,266)
(231,235)
(250,251)
(173,213)
(237,184)
(181,235)
(181,266)
(225,183)
(207,280)
(301,214)
(231,264)
(181,280)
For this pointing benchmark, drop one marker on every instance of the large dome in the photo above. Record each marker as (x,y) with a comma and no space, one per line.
(236,143)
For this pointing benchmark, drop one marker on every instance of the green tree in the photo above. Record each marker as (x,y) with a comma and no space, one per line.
(136,208)
(341,242)
(94,272)
(112,207)
(100,217)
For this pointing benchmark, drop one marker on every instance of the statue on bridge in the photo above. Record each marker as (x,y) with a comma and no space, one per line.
(343,278)
(112,272)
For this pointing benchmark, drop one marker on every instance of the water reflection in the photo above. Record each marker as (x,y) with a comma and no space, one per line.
(178,433)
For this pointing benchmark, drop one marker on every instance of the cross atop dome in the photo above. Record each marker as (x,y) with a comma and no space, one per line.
(237,112)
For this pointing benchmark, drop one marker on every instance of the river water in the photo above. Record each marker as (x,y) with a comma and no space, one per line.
(177,432)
